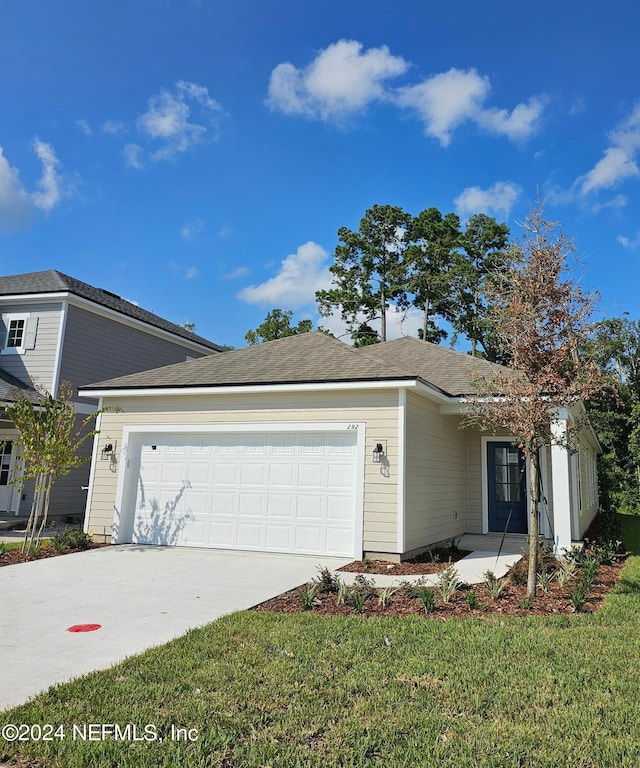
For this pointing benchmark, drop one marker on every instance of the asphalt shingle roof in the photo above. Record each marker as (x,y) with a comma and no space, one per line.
(11,389)
(315,357)
(52,281)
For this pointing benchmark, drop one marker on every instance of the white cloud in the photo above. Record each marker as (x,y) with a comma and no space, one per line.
(631,244)
(132,153)
(399,323)
(15,207)
(497,200)
(236,273)
(192,229)
(619,161)
(617,202)
(191,273)
(301,274)
(167,119)
(448,99)
(341,80)
(84,126)
(113,127)
(51,186)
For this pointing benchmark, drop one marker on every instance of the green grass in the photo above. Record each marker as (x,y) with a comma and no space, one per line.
(301,690)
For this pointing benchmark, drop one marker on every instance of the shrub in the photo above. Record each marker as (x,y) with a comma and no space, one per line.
(410,588)
(566,571)
(544,581)
(326,581)
(70,538)
(472,599)
(384,598)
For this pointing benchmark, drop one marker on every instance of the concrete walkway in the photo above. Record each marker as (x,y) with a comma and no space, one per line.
(142,596)
(470,569)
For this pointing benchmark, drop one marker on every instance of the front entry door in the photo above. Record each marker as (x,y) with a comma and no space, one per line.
(506,488)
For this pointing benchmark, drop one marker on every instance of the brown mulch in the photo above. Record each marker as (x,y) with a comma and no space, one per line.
(430,562)
(512,601)
(14,556)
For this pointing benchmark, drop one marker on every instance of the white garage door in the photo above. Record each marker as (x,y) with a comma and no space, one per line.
(275,491)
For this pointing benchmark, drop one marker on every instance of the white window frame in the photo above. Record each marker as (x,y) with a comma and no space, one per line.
(7,320)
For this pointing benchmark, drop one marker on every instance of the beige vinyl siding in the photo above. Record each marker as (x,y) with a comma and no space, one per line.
(36,365)
(436,469)
(97,348)
(378,410)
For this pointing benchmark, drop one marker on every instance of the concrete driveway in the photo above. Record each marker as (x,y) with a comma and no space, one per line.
(142,596)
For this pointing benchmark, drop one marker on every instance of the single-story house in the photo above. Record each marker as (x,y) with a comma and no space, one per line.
(307,445)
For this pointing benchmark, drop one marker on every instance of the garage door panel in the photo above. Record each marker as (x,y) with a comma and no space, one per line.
(249,535)
(280,505)
(283,492)
(225,473)
(310,507)
(253,474)
(281,475)
(250,505)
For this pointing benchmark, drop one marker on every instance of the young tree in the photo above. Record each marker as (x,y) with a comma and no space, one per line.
(369,272)
(49,443)
(542,320)
(431,261)
(483,256)
(276,325)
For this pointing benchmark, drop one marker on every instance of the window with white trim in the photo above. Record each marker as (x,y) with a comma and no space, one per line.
(18,333)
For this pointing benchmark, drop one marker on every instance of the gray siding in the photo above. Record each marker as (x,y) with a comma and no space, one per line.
(36,365)
(97,348)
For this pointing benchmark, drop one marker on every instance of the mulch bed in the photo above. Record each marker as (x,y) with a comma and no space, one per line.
(15,556)
(512,601)
(430,562)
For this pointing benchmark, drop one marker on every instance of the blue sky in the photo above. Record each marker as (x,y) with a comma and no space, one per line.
(198,158)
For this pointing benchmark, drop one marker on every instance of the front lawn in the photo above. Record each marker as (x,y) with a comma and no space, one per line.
(302,690)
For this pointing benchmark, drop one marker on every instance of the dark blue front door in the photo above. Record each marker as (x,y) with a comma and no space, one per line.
(506,488)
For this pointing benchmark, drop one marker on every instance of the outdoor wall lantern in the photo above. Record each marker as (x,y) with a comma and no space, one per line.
(107,450)
(378,453)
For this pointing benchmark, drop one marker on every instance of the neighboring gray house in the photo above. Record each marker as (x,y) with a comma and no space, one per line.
(307,445)
(55,328)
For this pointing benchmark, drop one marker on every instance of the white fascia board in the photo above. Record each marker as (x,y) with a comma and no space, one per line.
(59,346)
(112,314)
(331,386)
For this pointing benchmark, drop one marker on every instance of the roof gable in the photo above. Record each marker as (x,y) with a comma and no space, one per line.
(52,281)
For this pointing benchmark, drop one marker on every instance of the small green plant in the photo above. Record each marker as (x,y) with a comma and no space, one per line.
(448,582)
(472,599)
(590,567)
(363,589)
(343,594)
(494,585)
(432,556)
(578,595)
(427,597)
(384,598)
(308,596)
(526,603)
(544,580)
(605,551)
(326,581)
(410,587)
(367,562)
(575,554)
(566,571)
(70,538)
(3,548)
(453,545)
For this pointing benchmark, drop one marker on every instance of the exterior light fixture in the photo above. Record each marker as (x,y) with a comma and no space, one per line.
(378,453)
(107,450)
